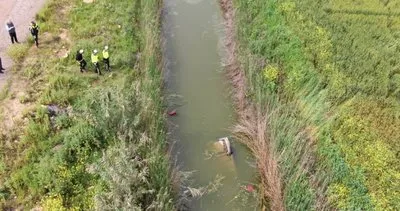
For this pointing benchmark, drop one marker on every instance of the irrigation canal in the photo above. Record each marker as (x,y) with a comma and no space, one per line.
(198,89)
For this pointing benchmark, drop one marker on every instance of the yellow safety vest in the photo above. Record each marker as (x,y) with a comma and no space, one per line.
(105,54)
(34,28)
(95,58)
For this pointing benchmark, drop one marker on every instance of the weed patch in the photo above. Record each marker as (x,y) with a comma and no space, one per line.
(91,142)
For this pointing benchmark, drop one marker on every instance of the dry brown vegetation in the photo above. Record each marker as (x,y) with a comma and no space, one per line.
(252,132)
(252,126)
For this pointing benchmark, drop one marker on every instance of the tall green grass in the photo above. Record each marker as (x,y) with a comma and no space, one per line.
(107,149)
(304,103)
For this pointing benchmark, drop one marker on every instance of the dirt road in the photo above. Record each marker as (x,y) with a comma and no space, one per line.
(21,13)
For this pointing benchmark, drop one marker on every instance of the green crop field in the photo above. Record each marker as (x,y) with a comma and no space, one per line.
(336,68)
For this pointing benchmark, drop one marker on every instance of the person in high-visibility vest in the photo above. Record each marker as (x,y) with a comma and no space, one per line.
(106,58)
(34,28)
(95,61)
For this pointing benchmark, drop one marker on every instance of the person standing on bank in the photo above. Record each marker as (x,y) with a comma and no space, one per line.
(95,61)
(81,60)
(34,28)
(106,58)
(11,30)
(1,66)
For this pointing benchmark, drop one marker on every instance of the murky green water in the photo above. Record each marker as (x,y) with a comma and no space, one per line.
(199,91)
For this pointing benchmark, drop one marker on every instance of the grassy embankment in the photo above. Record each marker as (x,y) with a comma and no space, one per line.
(106,148)
(327,76)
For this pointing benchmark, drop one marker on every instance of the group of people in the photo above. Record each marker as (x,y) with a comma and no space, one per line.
(33,28)
(94,59)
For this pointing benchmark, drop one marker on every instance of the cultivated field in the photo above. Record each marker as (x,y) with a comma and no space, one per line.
(332,67)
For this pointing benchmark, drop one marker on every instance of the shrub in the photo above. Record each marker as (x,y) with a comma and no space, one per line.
(18,52)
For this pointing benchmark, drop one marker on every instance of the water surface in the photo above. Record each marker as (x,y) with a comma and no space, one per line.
(197,88)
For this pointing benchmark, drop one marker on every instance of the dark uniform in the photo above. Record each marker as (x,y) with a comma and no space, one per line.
(81,60)
(34,28)
(1,67)
(11,30)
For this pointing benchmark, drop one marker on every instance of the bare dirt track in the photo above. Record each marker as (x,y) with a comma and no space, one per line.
(21,13)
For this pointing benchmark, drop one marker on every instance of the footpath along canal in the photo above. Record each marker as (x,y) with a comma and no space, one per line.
(199,91)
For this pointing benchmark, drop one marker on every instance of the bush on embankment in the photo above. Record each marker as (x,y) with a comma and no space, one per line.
(106,148)
(329,69)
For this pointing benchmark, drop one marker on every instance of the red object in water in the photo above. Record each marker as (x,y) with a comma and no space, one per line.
(172,113)
(250,188)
